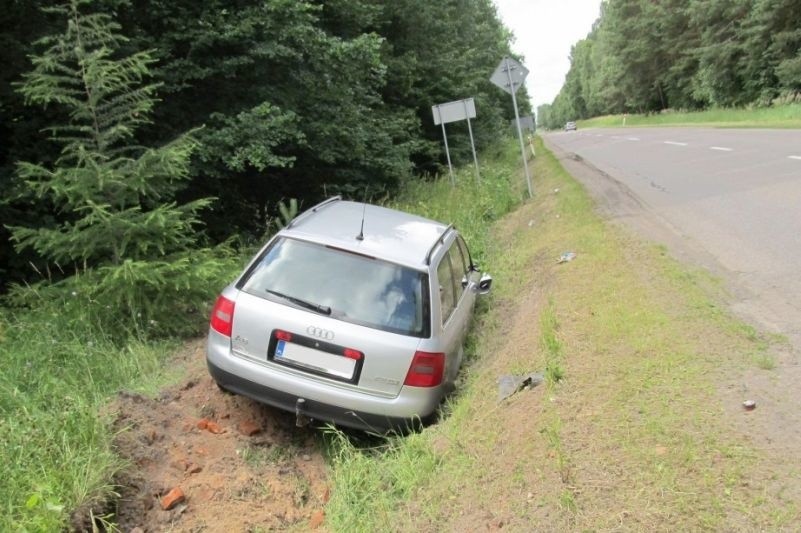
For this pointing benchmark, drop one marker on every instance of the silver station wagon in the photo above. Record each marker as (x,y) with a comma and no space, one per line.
(353,314)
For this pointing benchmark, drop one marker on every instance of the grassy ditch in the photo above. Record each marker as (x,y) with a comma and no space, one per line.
(627,431)
(779,116)
(61,367)
(59,370)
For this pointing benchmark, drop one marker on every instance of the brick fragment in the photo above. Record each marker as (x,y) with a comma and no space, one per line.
(173,498)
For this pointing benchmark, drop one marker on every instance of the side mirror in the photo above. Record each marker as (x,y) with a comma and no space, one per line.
(484,284)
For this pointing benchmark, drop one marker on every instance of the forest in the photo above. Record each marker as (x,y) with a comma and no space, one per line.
(646,57)
(138,134)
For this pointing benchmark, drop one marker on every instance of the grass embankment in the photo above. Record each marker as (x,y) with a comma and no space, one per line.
(780,116)
(627,431)
(55,447)
(59,370)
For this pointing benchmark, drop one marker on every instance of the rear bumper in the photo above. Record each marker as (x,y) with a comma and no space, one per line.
(315,410)
(412,408)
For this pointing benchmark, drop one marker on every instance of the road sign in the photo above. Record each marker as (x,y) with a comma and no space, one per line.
(509,75)
(526,123)
(454,111)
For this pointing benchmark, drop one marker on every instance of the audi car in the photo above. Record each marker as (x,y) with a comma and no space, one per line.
(353,314)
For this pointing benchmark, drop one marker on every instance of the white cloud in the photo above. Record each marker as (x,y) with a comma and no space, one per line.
(544,32)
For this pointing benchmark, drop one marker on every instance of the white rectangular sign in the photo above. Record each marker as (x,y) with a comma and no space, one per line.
(454,111)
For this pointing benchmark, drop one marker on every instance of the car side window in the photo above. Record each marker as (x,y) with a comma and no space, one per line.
(462,271)
(447,287)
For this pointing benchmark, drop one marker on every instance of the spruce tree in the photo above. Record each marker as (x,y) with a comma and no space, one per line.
(114,198)
(130,246)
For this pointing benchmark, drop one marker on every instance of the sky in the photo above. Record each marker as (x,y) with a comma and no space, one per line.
(544,32)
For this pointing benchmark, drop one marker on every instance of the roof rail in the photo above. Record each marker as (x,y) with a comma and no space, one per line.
(440,240)
(313,210)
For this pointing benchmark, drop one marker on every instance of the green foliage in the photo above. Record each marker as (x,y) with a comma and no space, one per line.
(115,195)
(288,212)
(128,242)
(59,368)
(296,99)
(643,57)
(150,298)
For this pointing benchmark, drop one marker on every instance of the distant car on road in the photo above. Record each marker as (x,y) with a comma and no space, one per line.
(353,314)
(570,126)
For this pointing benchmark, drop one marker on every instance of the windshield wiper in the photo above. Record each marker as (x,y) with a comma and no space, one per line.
(323,309)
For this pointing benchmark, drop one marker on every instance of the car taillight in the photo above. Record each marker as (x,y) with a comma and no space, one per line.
(426,370)
(283,335)
(222,316)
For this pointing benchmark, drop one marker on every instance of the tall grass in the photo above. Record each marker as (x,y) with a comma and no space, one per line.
(779,116)
(62,359)
(55,447)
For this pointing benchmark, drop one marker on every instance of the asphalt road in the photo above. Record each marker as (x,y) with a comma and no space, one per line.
(728,199)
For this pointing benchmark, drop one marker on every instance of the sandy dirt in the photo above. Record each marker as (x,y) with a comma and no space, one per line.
(241,466)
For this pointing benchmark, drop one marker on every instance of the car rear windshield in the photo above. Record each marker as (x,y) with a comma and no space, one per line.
(348,286)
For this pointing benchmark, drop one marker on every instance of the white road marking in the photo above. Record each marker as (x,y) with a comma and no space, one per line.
(798,157)
(721,148)
(674,143)
(632,138)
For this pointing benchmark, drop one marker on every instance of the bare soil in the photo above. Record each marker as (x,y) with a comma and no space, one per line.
(241,466)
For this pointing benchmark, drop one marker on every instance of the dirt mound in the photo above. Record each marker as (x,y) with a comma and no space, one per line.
(204,460)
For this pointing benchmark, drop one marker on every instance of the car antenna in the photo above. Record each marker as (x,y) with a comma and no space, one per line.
(360,236)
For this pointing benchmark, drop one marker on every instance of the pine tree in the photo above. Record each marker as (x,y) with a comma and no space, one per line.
(132,246)
(114,197)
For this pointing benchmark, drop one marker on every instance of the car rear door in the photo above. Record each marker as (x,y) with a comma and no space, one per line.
(456,303)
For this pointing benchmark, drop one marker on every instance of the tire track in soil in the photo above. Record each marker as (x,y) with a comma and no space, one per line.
(245,468)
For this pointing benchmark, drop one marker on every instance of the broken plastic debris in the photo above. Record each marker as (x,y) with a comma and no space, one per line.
(530,223)
(567,257)
(749,405)
(509,384)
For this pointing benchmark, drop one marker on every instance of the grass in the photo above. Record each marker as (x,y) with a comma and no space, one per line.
(56,448)
(779,116)
(629,436)
(59,371)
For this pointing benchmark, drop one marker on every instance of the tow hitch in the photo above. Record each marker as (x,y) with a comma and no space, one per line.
(301,420)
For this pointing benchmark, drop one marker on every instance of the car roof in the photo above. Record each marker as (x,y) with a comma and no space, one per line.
(388,234)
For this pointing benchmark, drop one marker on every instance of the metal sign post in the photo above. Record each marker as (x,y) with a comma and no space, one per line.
(453,112)
(509,76)
(472,143)
(448,155)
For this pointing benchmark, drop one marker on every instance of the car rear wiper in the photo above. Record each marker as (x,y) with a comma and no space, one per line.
(324,309)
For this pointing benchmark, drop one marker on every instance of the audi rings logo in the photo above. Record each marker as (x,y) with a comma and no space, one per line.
(320,333)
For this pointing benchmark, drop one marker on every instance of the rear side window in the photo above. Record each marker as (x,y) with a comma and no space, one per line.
(447,287)
(356,288)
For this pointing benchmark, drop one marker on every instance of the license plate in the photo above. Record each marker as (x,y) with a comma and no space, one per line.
(316,360)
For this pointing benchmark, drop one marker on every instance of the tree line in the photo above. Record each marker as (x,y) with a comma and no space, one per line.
(643,57)
(135,131)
